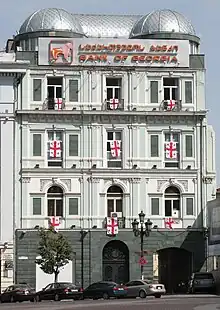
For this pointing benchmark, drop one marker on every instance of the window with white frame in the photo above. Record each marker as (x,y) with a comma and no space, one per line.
(171,88)
(55,148)
(115,201)
(190,206)
(172,149)
(73,206)
(55,99)
(154,145)
(73,145)
(36,147)
(154,92)
(36,205)
(155,206)
(114,149)
(189,145)
(172,202)
(188,92)
(55,201)
(113,93)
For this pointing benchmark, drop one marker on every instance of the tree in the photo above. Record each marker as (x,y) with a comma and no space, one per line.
(55,251)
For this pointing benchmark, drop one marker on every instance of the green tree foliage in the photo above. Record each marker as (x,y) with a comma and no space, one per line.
(55,251)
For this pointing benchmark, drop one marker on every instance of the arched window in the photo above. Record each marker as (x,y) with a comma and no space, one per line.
(115,201)
(172,202)
(55,201)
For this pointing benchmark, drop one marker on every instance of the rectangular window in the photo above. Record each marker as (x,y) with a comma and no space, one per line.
(154,147)
(189,206)
(168,208)
(37,89)
(189,145)
(55,148)
(114,149)
(73,206)
(36,206)
(73,145)
(188,91)
(55,93)
(171,150)
(113,92)
(171,88)
(153,91)
(36,144)
(55,207)
(73,90)
(155,206)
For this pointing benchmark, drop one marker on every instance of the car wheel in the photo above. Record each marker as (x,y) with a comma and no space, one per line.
(142,294)
(56,297)
(105,296)
(12,299)
(157,296)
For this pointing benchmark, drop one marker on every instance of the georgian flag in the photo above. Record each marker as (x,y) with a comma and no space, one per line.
(114,102)
(58,102)
(55,149)
(171,150)
(115,148)
(112,226)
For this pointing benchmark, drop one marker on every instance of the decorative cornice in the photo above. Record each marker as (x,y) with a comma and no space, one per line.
(93,180)
(135,180)
(160,184)
(25,180)
(184,183)
(208,180)
(43,183)
(67,182)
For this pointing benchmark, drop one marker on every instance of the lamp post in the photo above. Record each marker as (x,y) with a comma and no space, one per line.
(142,232)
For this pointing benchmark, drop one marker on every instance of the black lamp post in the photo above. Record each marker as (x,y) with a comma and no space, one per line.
(142,232)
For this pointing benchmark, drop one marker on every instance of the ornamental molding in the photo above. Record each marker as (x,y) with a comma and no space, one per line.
(93,180)
(44,183)
(135,180)
(25,179)
(67,182)
(147,180)
(181,184)
(207,180)
(184,183)
(160,184)
(195,181)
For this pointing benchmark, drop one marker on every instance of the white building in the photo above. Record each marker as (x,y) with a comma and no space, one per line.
(110,118)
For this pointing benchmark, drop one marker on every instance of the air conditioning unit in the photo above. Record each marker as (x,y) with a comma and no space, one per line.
(116,214)
(176,214)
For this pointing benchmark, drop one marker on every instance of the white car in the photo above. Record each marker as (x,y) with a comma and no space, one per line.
(144,288)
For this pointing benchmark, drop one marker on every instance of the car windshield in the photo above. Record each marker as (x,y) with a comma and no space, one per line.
(203,276)
(147,281)
(67,285)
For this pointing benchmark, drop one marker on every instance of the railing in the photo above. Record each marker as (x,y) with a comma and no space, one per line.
(121,222)
(171,105)
(113,105)
(54,104)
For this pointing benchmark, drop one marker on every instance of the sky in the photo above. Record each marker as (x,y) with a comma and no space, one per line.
(204,15)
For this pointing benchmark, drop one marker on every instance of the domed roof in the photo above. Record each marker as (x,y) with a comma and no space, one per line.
(162,21)
(51,19)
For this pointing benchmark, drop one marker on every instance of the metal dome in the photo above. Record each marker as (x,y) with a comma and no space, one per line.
(51,19)
(162,21)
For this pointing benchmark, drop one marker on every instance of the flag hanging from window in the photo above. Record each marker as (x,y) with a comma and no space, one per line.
(114,102)
(169,223)
(115,148)
(54,222)
(58,104)
(171,150)
(55,149)
(171,104)
(112,226)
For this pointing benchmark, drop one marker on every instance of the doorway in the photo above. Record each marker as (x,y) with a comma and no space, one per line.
(115,260)
(175,269)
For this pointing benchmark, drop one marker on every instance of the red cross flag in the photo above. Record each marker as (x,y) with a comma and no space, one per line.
(55,222)
(171,150)
(169,223)
(115,148)
(112,225)
(114,104)
(171,104)
(58,102)
(55,149)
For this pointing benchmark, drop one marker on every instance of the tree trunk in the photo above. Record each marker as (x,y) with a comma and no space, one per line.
(56,273)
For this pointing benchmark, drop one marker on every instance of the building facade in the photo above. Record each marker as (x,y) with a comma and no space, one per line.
(110,119)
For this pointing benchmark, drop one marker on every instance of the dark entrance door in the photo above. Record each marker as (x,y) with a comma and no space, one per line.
(115,258)
(175,268)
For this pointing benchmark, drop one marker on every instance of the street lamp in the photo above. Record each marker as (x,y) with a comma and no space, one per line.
(142,232)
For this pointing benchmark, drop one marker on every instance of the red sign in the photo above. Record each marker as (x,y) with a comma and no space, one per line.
(142,261)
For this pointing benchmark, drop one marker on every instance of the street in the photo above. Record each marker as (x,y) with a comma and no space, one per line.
(181,302)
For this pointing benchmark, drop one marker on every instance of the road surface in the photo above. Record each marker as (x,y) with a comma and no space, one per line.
(187,302)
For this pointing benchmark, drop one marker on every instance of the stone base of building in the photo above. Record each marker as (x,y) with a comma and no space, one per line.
(170,256)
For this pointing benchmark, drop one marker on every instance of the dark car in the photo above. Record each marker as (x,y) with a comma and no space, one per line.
(105,290)
(202,282)
(58,291)
(18,292)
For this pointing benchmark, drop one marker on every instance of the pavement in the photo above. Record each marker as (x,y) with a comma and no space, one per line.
(174,302)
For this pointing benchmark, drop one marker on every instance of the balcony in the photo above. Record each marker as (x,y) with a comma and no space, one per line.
(54,104)
(121,222)
(113,105)
(171,105)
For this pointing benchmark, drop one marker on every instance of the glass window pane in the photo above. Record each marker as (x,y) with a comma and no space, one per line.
(168,208)
(50,92)
(109,93)
(188,146)
(110,135)
(118,135)
(167,94)
(176,205)
(188,92)
(154,146)
(176,137)
(167,137)
(155,206)
(36,144)
(37,89)
(73,90)
(36,206)
(119,205)
(175,94)
(59,207)
(117,93)
(50,135)
(189,206)
(73,206)
(50,207)
(110,203)
(73,145)
(154,91)
(59,92)
(58,135)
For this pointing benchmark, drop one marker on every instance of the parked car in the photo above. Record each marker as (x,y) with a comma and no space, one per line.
(105,290)
(18,292)
(202,282)
(144,288)
(58,291)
